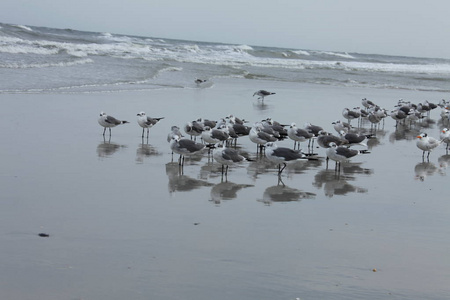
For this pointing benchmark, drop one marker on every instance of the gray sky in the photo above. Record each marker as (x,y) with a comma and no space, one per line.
(410,28)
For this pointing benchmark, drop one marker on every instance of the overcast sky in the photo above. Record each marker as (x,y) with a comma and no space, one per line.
(410,28)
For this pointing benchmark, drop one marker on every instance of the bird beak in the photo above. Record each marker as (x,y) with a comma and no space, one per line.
(419,137)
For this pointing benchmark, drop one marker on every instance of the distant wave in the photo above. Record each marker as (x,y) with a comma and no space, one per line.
(17,65)
(23,27)
(344,55)
(301,52)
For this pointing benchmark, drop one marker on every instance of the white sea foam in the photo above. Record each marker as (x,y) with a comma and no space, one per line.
(118,56)
(301,52)
(226,55)
(344,55)
(18,65)
(23,27)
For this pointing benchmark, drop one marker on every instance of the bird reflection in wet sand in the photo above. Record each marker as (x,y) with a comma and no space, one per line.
(145,150)
(424,169)
(335,184)
(178,182)
(107,148)
(226,191)
(443,161)
(282,193)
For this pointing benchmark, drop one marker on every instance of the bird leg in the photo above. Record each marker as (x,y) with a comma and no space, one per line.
(104,130)
(279,166)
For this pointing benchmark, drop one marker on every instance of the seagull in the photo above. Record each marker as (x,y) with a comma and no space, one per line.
(427,144)
(236,120)
(260,137)
(350,114)
(398,115)
(276,126)
(185,147)
(193,128)
(109,122)
(445,137)
(367,103)
(325,139)
(354,138)
(281,155)
(339,126)
(200,81)
(373,119)
(146,122)
(226,157)
(341,154)
(298,134)
(213,135)
(174,130)
(206,122)
(262,93)
(315,130)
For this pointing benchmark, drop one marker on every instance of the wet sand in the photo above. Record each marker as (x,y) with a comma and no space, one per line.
(124,222)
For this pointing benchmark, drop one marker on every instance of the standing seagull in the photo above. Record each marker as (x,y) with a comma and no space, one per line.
(281,155)
(445,137)
(262,93)
(426,144)
(260,137)
(354,138)
(298,134)
(146,122)
(226,157)
(174,130)
(185,147)
(350,114)
(193,128)
(109,122)
(341,154)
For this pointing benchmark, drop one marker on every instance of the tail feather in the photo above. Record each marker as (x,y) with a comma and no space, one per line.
(125,122)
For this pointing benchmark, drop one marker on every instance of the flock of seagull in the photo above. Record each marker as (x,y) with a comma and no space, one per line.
(220,136)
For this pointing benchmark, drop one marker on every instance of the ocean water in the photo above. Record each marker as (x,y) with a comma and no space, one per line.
(40,59)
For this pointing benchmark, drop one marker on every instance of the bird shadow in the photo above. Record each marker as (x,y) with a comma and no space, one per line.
(281,193)
(424,169)
(107,148)
(178,182)
(144,151)
(335,183)
(226,190)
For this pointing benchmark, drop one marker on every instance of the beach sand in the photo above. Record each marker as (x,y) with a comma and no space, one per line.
(125,223)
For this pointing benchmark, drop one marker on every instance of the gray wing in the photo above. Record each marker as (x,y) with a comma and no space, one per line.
(346,152)
(266,137)
(231,154)
(152,121)
(354,138)
(190,145)
(303,133)
(219,134)
(112,120)
(287,154)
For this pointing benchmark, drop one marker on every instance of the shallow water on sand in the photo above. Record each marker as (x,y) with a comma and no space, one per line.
(126,222)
